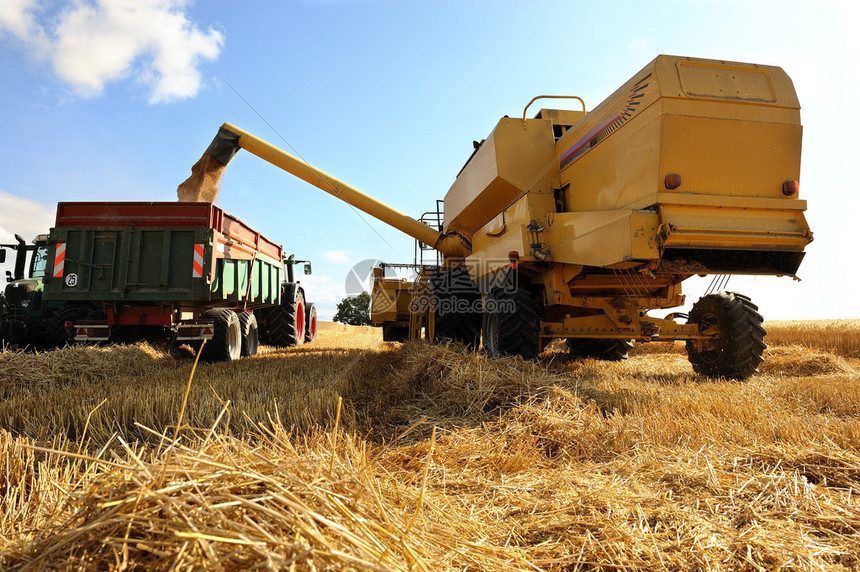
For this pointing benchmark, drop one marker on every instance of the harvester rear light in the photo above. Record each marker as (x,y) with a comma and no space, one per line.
(673,181)
(514,257)
(790,188)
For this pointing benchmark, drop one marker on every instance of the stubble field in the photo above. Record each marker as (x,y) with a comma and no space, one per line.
(354,454)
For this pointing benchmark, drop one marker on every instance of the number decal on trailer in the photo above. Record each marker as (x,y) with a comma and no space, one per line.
(72,280)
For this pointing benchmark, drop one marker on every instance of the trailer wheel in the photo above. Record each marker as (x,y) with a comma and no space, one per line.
(250,333)
(735,349)
(285,324)
(226,342)
(457,307)
(510,324)
(310,323)
(600,348)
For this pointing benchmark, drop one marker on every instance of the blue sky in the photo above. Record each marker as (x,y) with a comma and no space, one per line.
(116,99)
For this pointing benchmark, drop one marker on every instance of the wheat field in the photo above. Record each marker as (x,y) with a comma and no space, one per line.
(356,454)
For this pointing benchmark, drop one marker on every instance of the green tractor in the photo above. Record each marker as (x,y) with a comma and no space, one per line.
(27,321)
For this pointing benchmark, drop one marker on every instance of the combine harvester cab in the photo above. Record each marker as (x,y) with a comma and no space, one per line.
(574,225)
(125,270)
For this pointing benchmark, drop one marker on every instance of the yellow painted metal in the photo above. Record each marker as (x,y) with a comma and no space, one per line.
(562,119)
(707,121)
(602,200)
(390,299)
(537,97)
(602,326)
(517,156)
(734,228)
(450,245)
(394,303)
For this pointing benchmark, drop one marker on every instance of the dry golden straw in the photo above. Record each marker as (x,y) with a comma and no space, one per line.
(332,456)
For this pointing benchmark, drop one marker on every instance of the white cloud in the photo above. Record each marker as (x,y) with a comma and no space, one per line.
(324,292)
(337,256)
(91,43)
(18,19)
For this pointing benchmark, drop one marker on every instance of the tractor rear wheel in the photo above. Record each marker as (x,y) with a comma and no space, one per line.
(457,302)
(226,342)
(510,324)
(599,348)
(250,333)
(284,325)
(735,348)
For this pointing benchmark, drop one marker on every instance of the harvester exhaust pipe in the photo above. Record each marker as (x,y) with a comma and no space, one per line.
(230,139)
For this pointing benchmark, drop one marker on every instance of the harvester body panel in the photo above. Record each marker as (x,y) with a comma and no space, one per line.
(688,158)
(512,159)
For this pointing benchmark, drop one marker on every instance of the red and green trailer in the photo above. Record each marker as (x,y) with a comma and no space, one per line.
(133,270)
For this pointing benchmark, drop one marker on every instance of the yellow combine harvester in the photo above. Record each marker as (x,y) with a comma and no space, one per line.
(574,224)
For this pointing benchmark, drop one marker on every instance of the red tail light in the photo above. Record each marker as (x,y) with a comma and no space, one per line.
(673,181)
(790,188)
(514,257)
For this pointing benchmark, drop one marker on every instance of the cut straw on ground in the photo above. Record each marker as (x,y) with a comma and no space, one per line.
(356,454)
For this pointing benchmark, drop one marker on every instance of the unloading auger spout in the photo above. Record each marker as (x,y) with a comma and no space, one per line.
(230,139)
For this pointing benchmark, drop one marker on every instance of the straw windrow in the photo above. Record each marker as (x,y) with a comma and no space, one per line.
(558,465)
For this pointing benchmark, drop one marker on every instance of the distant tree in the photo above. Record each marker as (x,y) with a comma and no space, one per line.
(354,310)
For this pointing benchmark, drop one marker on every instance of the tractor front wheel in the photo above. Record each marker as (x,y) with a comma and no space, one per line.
(310,323)
(735,333)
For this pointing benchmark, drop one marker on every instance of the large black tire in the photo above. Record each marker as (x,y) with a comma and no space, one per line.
(511,324)
(54,333)
(284,325)
(226,342)
(736,348)
(394,333)
(250,333)
(599,348)
(310,323)
(457,302)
